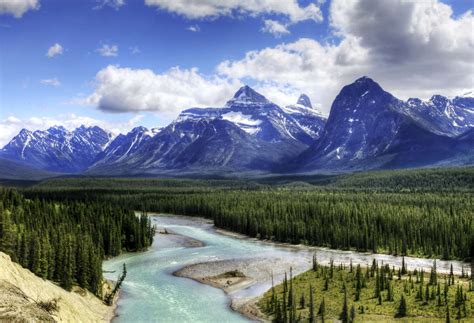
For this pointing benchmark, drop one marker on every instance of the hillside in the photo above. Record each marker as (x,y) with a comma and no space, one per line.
(21,292)
(15,171)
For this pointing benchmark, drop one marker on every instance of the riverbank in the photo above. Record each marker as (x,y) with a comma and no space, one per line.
(325,255)
(174,240)
(228,269)
(24,296)
(243,280)
(246,280)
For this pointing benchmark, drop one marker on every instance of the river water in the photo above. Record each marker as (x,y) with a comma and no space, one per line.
(150,292)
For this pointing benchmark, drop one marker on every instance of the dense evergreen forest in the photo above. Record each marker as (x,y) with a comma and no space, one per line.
(66,241)
(412,212)
(374,293)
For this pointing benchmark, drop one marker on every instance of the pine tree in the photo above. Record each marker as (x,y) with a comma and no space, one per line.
(402,308)
(389,292)
(302,301)
(290,292)
(344,316)
(315,262)
(322,310)
(278,313)
(404,268)
(433,274)
(353,313)
(311,305)
(427,293)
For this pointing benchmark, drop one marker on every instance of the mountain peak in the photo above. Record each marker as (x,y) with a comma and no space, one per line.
(139,129)
(304,101)
(361,87)
(57,129)
(24,131)
(438,99)
(364,79)
(246,95)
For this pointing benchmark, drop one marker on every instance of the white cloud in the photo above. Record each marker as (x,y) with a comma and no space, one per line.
(304,66)
(410,48)
(415,47)
(199,9)
(115,4)
(135,50)
(108,50)
(194,28)
(12,125)
(17,8)
(52,82)
(132,90)
(275,28)
(55,50)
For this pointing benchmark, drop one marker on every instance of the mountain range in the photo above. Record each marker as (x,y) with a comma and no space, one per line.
(367,128)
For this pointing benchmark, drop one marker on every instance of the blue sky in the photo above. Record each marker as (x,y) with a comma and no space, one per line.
(135,78)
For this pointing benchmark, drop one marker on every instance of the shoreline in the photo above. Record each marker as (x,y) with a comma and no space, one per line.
(244,280)
(245,306)
(112,313)
(208,272)
(243,291)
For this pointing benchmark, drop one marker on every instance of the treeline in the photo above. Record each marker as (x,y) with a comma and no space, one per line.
(415,224)
(66,242)
(404,180)
(411,180)
(425,212)
(429,224)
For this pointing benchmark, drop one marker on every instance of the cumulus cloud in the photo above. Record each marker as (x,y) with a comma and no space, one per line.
(55,50)
(108,50)
(413,45)
(304,66)
(120,89)
(199,9)
(51,82)
(17,8)
(275,28)
(12,125)
(194,28)
(412,48)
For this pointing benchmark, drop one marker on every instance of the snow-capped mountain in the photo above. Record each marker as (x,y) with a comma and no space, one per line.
(369,128)
(125,145)
(57,149)
(448,117)
(307,117)
(248,133)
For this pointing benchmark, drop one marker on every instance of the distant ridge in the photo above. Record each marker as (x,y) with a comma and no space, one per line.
(367,128)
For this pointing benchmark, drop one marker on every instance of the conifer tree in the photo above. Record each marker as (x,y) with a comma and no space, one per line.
(402,308)
(404,268)
(344,316)
(322,310)
(311,305)
(302,301)
(352,314)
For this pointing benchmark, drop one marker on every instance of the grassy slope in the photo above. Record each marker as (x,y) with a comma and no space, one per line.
(334,296)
